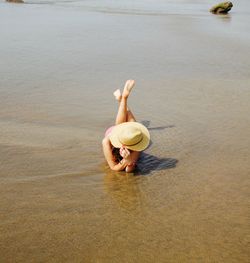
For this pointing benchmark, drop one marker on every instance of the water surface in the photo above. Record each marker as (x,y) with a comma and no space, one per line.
(60,62)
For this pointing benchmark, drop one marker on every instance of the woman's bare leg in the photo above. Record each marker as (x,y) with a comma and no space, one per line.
(124,114)
(130,116)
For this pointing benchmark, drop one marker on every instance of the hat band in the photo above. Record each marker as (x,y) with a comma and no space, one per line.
(131,144)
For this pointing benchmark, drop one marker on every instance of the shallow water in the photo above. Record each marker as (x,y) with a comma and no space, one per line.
(60,62)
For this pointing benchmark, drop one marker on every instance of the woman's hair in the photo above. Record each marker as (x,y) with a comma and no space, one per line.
(116,154)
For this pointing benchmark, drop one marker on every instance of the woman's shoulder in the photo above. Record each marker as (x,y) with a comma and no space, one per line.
(106,141)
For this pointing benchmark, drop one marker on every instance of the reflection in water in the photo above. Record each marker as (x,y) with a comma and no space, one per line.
(124,188)
(224,17)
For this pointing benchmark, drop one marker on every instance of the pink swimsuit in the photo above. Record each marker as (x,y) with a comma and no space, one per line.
(108,131)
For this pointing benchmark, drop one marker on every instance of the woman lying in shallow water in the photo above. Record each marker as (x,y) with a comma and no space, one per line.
(123,142)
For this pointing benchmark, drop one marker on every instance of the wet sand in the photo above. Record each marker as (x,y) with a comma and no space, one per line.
(189,200)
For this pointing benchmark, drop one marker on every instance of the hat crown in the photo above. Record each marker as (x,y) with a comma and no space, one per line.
(130,136)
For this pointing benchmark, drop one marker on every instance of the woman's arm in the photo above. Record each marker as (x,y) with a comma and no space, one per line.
(134,156)
(130,157)
(107,150)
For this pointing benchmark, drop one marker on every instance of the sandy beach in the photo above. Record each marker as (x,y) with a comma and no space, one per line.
(60,63)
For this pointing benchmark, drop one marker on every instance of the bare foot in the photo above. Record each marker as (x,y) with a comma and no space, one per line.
(128,87)
(118,95)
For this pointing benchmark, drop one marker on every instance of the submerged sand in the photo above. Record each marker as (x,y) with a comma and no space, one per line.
(189,200)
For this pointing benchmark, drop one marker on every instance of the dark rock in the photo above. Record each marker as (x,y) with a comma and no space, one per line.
(222,8)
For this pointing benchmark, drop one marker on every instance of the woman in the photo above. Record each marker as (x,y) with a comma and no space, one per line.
(124,141)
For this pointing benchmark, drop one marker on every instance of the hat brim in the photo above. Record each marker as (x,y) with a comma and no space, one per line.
(142,145)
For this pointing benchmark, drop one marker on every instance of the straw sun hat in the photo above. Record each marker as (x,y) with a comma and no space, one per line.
(132,135)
